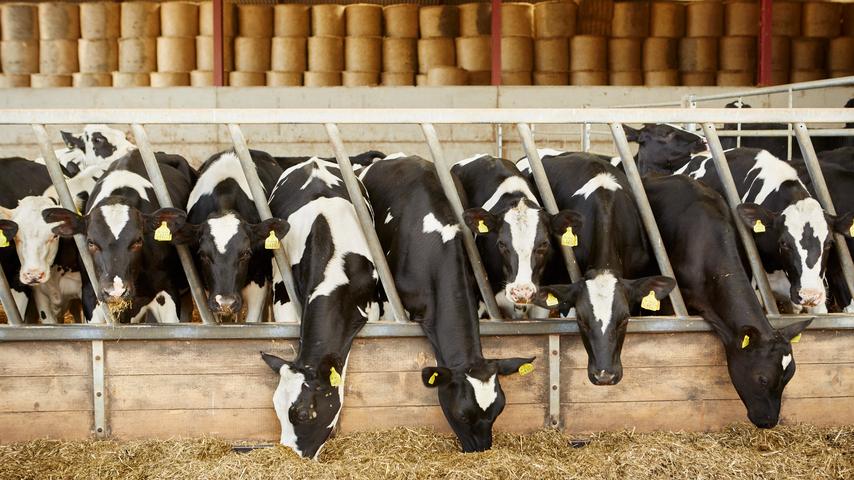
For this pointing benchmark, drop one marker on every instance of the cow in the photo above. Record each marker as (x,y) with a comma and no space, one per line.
(138,275)
(697,230)
(99,144)
(361,160)
(337,285)
(424,246)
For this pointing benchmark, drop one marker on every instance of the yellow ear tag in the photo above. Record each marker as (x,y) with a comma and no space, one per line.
(526,368)
(481,227)
(759,227)
(271,243)
(4,242)
(795,339)
(162,234)
(569,239)
(851,230)
(432,378)
(649,302)
(334,378)
(745,342)
(551,300)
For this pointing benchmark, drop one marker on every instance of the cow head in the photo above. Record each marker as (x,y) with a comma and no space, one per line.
(522,236)
(224,243)
(35,241)
(308,401)
(603,303)
(664,148)
(797,241)
(471,397)
(99,143)
(760,366)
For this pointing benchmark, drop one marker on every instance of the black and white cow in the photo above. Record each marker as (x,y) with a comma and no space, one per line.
(337,285)
(697,230)
(432,274)
(96,145)
(361,160)
(137,274)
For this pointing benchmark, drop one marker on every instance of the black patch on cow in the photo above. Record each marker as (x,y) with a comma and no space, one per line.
(280,293)
(101,146)
(161,300)
(42,314)
(809,242)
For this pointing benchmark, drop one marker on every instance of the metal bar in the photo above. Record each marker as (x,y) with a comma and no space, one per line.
(545,189)
(283,263)
(733,199)
(10,307)
(554,381)
(823,194)
(450,189)
(647,216)
(789,129)
(218,46)
(764,66)
(67,202)
(816,132)
(496,42)
(163,198)
(585,137)
(354,190)
(99,393)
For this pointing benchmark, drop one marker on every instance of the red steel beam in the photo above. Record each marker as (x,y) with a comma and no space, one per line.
(496,42)
(218,73)
(764,67)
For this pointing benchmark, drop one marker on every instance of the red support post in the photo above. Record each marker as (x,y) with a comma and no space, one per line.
(496,42)
(218,73)
(764,67)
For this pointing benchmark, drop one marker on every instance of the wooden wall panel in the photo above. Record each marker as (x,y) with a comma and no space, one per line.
(22,426)
(36,359)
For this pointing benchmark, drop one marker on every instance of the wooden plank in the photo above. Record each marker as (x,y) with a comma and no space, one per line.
(36,359)
(515,418)
(20,427)
(46,394)
(229,424)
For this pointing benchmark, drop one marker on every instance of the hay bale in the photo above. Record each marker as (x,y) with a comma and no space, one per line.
(131,79)
(821,19)
(741,19)
(847,19)
(594,17)
(840,73)
(554,18)
(170,79)
(397,79)
(137,55)
(588,78)
(551,55)
(401,20)
(661,78)
(252,54)
(140,19)
(698,54)
(421,79)
(626,79)
(436,52)
(255,21)
(98,56)
(247,79)
(179,19)
(58,57)
(322,79)
(99,20)
(704,19)
(13,80)
(517,20)
(360,79)
(475,19)
(699,79)
(19,21)
(480,77)
(288,54)
(517,54)
(363,54)
(45,80)
(630,20)
(660,53)
(59,21)
(175,54)
(779,77)
(446,76)
(781,54)
(400,55)
(735,78)
(205,53)
(551,78)
(588,53)
(809,53)
(328,21)
(291,20)
(19,57)
(737,53)
(840,55)
(786,19)
(439,21)
(515,78)
(625,54)
(325,54)
(363,20)
(667,19)
(206,25)
(201,78)
(284,79)
(796,76)
(474,53)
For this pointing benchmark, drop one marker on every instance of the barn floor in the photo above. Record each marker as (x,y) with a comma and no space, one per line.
(739,451)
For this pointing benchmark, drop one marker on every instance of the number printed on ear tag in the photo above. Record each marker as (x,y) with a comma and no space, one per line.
(526,368)
(569,239)
(271,242)
(649,302)
(163,234)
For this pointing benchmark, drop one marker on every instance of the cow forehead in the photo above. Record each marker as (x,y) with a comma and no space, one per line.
(805,212)
(116,217)
(485,392)
(601,291)
(512,184)
(524,222)
(222,230)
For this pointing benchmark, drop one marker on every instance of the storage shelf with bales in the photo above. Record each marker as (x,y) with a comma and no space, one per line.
(429,42)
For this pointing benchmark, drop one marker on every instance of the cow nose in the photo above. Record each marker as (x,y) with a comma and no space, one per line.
(117,289)
(603,377)
(31,277)
(521,293)
(811,297)
(227,303)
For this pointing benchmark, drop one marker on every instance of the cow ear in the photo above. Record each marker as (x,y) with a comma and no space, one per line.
(792,330)
(748,337)
(480,221)
(9,229)
(261,231)
(72,141)
(844,224)
(509,366)
(661,286)
(632,134)
(331,369)
(273,361)
(756,217)
(174,218)
(557,296)
(70,223)
(6,213)
(433,377)
(566,219)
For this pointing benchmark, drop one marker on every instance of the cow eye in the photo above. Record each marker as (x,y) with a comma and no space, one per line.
(244,255)
(502,247)
(136,245)
(763,380)
(92,246)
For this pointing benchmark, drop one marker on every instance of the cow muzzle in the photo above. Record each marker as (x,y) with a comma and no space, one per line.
(812,297)
(521,293)
(226,304)
(117,290)
(34,276)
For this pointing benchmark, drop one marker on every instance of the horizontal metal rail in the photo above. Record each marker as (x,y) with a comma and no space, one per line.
(814,132)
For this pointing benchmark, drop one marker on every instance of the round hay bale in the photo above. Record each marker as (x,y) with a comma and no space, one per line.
(179,19)
(779,77)
(625,54)
(247,79)
(475,19)
(255,21)
(446,76)
(515,78)
(291,20)
(58,57)
(421,79)
(588,53)
(363,54)
(205,53)
(98,56)
(59,21)
(847,19)
(821,19)
(660,53)
(137,55)
(480,77)
(667,19)
(139,19)
(325,54)
(19,21)
(99,20)
(661,78)
(130,79)
(206,25)
(14,80)
(551,55)
(630,20)
(439,21)
(517,20)
(201,78)
(728,78)
(699,79)
(46,80)
(737,53)
(288,54)
(554,18)
(517,54)
(704,19)
(840,73)
(284,79)
(698,54)
(436,52)
(840,55)
(786,19)
(474,53)
(551,78)
(400,55)
(322,79)
(796,76)
(626,79)
(360,79)
(252,54)
(328,21)
(363,20)
(401,20)
(588,78)
(594,17)
(170,79)
(809,53)
(176,54)
(398,79)
(19,57)
(741,19)
(781,54)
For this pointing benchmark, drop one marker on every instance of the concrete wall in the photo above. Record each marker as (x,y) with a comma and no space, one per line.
(197,142)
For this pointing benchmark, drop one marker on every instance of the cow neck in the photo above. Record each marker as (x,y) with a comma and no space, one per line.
(326,329)
(731,301)
(604,251)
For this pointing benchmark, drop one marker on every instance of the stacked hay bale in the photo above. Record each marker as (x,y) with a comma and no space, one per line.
(363,46)
(326,46)
(400,43)
(820,21)
(176,45)
(474,45)
(588,60)
(59,29)
(140,27)
(737,49)
(252,46)
(288,60)
(19,49)
(98,47)
(437,62)
(785,27)
(661,47)
(554,25)
(629,26)
(698,50)
(840,59)
(594,17)
(517,43)
(203,75)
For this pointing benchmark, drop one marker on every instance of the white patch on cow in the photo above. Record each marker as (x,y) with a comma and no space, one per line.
(227,166)
(166,313)
(82,182)
(388,217)
(796,217)
(223,229)
(321,172)
(510,185)
(484,392)
(287,392)
(523,222)
(362,311)
(432,225)
(118,287)
(773,172)
(255,299)
(616,161)
(605,181)
(523,165)
(700,172)
(849,308)
(466,161)
(35,242)
(787,359)
(122,179)
(393,156)
(601,291)
(116,217)
(114,137)
(53,296)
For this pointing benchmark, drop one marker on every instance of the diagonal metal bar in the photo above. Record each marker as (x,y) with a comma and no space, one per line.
(647,216)
(163,198)
(453,196)
(732,198)
(259,196)
(354,190)
(10,307)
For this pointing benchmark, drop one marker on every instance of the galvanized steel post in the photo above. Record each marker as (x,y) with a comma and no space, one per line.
(10,307)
